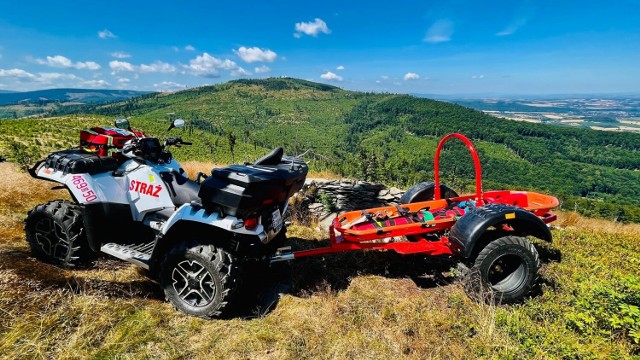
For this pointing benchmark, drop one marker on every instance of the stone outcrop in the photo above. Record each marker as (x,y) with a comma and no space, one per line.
(326,197)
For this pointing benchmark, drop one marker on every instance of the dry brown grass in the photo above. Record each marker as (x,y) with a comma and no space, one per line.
(573,220)
(193,167)
(354,305)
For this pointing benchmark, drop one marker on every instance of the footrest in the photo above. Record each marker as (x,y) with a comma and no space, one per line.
(138,254)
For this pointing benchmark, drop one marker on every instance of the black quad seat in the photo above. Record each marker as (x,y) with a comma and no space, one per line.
(181,189)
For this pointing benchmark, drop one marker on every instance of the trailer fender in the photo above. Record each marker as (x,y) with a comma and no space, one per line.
(466,233)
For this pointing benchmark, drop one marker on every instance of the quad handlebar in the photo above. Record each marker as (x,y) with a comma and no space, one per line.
(151,149)
(175,142)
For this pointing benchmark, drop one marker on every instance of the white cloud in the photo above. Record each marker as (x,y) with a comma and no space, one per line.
(121,66)
(340,67)
(209,66)
(384,77)
(255,54)
(331,76)
(90,65)
(23,76)
(240,72)
(17,74)
(513,27)
(169,86)
(520,18)
(477,77)
(60,61)
(50,77)
(312,28)
(440,31)
(411,76)
(378,81)
(262,69)
(95,83)
(157,67)
(189,48)
(123,80)
(120,55)
(106,34)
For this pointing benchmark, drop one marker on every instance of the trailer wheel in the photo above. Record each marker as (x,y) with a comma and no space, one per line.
(425,191)
(505,271)
(55,233)
(199,279)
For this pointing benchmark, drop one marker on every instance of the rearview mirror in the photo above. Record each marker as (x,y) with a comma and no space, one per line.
(178,123)
(123,124)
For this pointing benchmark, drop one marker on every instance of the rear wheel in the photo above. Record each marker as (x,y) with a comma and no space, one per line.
(199,279)
(505,271)
(55,233)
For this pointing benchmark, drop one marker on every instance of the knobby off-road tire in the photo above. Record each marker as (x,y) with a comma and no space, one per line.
(504,272)
(425,191)
(200,279)
(55,233)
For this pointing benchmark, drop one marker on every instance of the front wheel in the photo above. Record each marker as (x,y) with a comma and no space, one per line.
(505,271)
(55,233)
(199,279)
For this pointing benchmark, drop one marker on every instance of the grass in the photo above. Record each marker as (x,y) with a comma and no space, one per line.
(353,305)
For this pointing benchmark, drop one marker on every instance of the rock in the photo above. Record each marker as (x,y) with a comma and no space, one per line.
(387,197)
(395,191)
(315,206)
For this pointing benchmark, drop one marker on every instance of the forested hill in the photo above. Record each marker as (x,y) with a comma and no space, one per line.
(62,95)
(392,138)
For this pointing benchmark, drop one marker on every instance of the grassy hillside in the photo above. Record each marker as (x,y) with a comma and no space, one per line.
(386,138)
(359,305)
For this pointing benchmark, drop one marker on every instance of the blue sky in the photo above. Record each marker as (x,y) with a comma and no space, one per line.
(432,47)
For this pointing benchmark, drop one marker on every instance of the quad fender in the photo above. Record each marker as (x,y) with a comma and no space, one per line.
(198,214)
(465,235)
(190,220)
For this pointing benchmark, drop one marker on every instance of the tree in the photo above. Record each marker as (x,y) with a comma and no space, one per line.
(23,155)
(232,144)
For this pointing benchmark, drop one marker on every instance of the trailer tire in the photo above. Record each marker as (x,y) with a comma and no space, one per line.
(425,191)
(504,272)
(55,233)
(200,279)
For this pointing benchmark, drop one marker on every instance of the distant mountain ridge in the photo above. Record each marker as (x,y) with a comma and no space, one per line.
(84,96)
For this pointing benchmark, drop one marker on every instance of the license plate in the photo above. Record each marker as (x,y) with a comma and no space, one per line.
(276,220)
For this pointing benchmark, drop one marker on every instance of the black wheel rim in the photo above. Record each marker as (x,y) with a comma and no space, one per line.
(507,273)
(193,283)
(52,239)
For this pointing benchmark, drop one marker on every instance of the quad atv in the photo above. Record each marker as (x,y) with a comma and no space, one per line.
(133,201)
